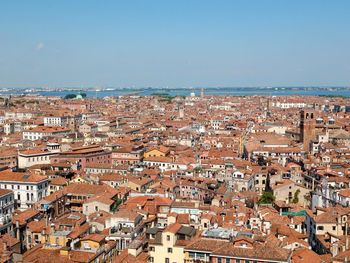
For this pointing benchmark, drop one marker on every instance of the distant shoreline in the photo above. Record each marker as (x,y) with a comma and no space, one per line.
(238,91)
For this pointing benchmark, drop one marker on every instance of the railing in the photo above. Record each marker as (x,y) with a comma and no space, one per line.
(5,221)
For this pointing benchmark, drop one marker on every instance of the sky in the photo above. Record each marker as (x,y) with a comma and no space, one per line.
(190,43)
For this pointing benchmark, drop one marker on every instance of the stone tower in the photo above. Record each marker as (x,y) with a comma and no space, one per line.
(307,128)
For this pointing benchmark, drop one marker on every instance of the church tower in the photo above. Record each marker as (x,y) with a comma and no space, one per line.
(307,128)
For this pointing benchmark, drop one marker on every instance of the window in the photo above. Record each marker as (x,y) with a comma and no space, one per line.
(227,260)
(238,261)
(334,228)
(170,250)
(151,248)
(219,260)
(319,227)
(168,238)
(166,260)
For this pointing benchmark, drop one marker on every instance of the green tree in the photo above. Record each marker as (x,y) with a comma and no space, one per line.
(296,198)
(70,96)
(116,204)
(266,198)
(198,169)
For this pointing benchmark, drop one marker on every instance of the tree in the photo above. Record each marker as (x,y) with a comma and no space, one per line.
(296,198)
(70,96)
(198,169)
(261,160)
(249,202)
(266,198)
(116,204)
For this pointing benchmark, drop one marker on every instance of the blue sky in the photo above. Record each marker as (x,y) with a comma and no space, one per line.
(174,43)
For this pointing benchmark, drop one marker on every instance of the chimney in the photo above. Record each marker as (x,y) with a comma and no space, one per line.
(52,228)
(268,231)
(334,250)
(17,230)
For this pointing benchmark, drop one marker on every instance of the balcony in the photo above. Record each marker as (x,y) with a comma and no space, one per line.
(4,220)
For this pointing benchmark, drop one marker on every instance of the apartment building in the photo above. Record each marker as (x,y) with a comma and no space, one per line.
(37,156)
(322,221)
(125,226)
(242,249)
(7,207)
(40,132)
(8,157)
(83,156)
(168,245)
(27,188)
(127,155)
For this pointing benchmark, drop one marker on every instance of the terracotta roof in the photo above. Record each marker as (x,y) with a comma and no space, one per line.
(20,177)
(173,228)
(58,180)
(4,192)
(94,237)
(205,244)
(259,250)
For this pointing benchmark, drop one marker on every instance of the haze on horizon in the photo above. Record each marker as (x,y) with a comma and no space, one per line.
(174,43)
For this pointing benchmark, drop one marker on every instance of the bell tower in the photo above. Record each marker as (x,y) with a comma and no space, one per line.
(307,128)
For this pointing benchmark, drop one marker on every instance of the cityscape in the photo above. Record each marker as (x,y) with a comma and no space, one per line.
(175,131)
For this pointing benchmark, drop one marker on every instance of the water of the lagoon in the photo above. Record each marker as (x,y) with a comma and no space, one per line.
(186,92)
